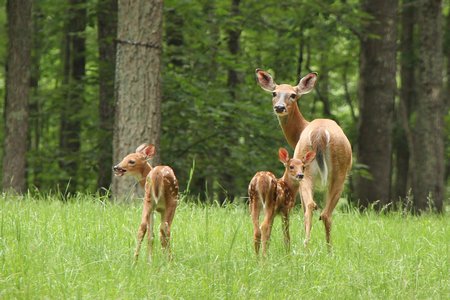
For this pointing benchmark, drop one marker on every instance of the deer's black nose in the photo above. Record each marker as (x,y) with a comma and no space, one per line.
(279,108)
(300,176)
(116,168)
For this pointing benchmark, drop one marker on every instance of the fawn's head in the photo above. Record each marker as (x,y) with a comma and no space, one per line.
(135,163)
(285,95)
(295,168)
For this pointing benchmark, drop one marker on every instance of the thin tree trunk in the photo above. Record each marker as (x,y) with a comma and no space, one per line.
(428,186)
(138,83)
(403,141)
(74,72)
(377,91)
(226,178)
(17,95)
(107,32)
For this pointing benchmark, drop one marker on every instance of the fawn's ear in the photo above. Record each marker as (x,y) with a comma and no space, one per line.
(265,80)
(309,157)
(283,155)
(307,83)
(149,151)
(140,148)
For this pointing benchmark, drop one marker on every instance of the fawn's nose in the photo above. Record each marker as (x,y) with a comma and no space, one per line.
(115,168)
(279,108)
(300,176)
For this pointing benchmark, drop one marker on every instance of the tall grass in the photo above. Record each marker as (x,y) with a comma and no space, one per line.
(84,249)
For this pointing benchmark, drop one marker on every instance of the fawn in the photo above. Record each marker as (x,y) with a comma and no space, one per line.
(161,194)
(277,196)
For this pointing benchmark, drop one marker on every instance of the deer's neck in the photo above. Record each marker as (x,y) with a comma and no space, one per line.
(293,125)
(146,169)
(291,185)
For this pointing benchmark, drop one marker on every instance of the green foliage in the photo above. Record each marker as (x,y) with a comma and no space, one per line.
(84,249)
(200,116)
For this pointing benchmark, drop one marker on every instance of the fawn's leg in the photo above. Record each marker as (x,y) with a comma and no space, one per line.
(164,229)
(142,228)
(266,228)
(254,211)
(287,238)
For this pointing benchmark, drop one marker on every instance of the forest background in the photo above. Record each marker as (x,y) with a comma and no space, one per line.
(187,84)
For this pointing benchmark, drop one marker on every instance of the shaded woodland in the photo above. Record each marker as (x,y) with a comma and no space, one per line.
(84,82)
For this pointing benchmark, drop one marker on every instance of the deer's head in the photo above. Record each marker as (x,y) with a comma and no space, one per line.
(295,168)
(285,95)
(135,163)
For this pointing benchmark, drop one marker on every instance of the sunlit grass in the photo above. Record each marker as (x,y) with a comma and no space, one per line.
(84,249)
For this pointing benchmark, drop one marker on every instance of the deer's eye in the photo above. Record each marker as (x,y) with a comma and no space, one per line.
(131,162)
(293,96)
(291,167)
(274,94)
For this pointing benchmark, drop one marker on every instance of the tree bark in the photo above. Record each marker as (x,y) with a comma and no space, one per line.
(137,86)
(403,139)
(233,80)
(428,186)
(376,92)
(74,72)
(17,95)
(107,32)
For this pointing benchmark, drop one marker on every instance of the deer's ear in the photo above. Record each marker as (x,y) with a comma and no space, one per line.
(140,148)
(265,80)
(283,155)
(149,151)
(309,157)
(307,83)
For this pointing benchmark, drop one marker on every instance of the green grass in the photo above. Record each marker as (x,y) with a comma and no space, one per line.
(84,249)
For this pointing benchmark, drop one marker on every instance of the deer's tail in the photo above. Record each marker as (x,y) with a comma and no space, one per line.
(320,139)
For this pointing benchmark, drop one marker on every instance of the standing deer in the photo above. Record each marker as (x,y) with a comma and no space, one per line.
(277,196)
(161,194)
(323,136)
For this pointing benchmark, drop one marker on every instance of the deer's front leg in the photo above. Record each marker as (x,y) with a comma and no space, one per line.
(287,238)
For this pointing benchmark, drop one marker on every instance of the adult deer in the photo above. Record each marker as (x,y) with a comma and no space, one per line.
(277,196)
(323,136)
(161,194)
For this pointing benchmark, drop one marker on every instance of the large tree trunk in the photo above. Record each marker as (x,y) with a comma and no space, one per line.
(428,186)
(376,92)
(403,139)
(138,90)
(74,72)
(107,32)
(17,94)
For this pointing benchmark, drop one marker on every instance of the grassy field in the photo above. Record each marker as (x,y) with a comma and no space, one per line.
(83,249)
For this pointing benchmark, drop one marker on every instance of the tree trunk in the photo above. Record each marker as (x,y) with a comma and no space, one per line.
(403,139)
(107,32)
(17,94)
(137,86)
(428,186)
(74,72)
(233,80)
(376,92)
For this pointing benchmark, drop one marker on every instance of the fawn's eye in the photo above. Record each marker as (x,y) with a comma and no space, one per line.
(274,94)
(291,167)
(131,162)
(293,96)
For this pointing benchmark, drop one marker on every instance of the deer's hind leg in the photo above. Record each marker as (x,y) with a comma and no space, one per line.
(334,192)
(254,211)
